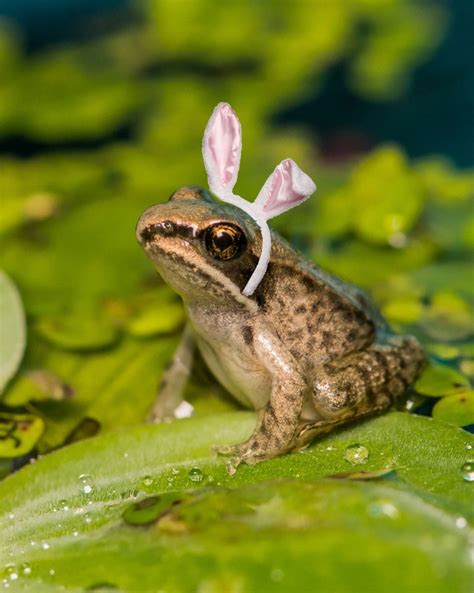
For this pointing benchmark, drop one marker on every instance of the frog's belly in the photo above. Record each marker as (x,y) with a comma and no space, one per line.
(238,373)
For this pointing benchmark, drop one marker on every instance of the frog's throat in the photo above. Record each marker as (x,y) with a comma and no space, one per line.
(257,215)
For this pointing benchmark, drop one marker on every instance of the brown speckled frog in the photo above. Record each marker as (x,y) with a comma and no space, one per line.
(307,351)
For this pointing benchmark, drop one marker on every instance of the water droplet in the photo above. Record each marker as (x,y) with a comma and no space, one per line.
(461,522)
(52,572)
(330,448)
(356,454)
(63,505)
(147,482)
(175,471)
(87,484)
(75,533)
(468,471)
(25,569)
(45,545)
(87,518)
(195,474)
(468,447)
(277,575)
(383,508)
(11,516)
(12,572)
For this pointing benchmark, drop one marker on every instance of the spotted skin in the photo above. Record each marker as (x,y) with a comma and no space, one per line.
(307,351)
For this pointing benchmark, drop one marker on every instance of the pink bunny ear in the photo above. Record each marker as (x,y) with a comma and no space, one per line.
(221,149)
(286,187)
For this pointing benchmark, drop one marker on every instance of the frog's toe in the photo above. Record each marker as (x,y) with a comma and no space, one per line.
(226,449)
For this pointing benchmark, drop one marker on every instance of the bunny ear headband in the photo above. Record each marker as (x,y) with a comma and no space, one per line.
(286,187)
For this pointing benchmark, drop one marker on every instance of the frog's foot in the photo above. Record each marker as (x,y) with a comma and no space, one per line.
(238,454)
(227,450)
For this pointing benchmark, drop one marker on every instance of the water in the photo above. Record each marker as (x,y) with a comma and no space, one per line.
(356,454)
(468,471)
(195,475)
(86,484)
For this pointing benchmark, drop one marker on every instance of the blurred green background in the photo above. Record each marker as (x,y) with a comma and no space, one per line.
(102,108)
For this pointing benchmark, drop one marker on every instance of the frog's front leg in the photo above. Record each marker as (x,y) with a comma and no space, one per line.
(278,421)
(173,382)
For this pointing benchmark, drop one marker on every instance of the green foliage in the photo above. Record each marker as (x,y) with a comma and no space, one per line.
(12,343)
(103,486)
(19,433)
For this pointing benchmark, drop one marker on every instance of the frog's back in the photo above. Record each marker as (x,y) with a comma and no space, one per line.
(318,316)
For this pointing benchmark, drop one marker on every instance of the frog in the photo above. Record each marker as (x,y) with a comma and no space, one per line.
(309,352)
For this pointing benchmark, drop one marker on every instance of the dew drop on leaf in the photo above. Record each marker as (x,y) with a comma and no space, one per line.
(12,572)
(461,522)
(383,508)
(63,505)
(25,569)
(356,454)
(468,471)
(146,482)
(86,482)
(196,475)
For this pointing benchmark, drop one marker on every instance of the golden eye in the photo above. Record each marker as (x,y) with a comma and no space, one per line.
(224,240)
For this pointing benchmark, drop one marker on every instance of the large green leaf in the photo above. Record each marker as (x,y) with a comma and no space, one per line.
(63,515)
(13,330)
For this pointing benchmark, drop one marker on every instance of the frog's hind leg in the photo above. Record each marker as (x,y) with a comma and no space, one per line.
(362,384)
(173,382)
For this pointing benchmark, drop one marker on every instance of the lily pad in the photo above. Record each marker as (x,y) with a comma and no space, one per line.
(388,195)
(78,332)
(19,433)
(456,409)
(13,331)
(66,511)
(448,318)
(438,380)
(162,318)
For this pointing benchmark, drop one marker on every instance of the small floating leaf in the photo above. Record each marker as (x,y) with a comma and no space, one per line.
(13,338)
(403,310)
(448,318)
(467,367)
(19,433)
(162,318)
(71,332)
(456,409)
(438,381)
(443,351)
(388,195)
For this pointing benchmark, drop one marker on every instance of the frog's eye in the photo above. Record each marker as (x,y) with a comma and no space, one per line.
(224,240)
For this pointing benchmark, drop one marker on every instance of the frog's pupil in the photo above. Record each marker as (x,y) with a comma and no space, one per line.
(223,240)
